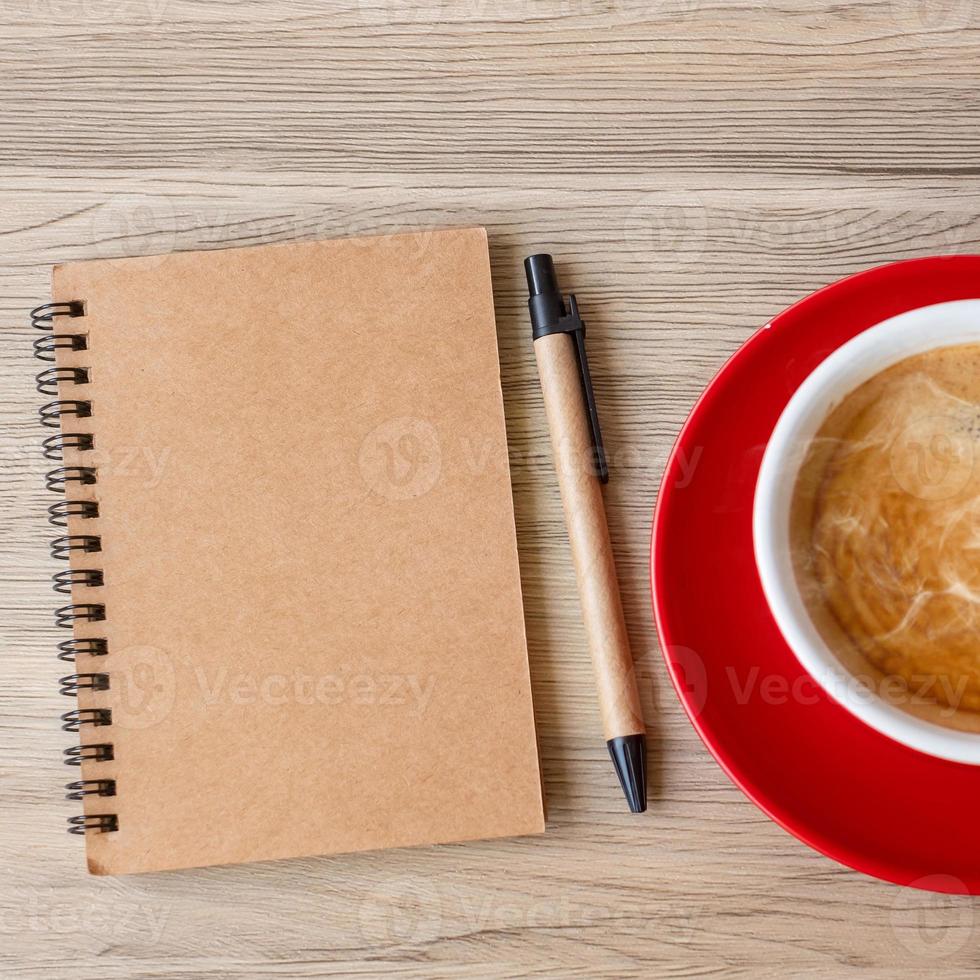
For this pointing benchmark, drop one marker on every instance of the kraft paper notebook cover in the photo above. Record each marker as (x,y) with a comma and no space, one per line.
(291,551)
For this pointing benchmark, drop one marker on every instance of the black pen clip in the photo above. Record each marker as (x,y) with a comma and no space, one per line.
(572,323)
(551,312)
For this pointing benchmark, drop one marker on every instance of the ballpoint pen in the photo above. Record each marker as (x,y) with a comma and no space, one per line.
(559,347)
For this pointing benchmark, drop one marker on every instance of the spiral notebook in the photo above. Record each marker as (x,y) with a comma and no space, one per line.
(285,525)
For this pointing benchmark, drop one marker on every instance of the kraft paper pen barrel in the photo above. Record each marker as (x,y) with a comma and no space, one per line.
(559,347)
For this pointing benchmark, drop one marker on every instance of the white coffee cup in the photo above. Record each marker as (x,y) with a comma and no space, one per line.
(870,352)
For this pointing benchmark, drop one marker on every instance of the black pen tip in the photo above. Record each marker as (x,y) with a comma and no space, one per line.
(629,756)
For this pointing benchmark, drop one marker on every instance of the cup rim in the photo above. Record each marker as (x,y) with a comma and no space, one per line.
(865,355)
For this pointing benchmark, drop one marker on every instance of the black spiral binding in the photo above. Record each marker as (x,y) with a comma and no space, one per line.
(72,721)
(60,480)
(90,787)
(59,513)
(54,446)
(90,578)
(102,823)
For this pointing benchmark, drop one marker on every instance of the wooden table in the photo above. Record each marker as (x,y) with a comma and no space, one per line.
(698,165)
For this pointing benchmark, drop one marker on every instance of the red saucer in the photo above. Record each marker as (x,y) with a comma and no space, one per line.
(835,783)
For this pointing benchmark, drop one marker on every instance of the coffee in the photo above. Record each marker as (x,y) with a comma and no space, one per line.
(885,534)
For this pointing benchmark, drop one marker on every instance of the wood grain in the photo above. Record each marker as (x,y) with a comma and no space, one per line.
(698,164)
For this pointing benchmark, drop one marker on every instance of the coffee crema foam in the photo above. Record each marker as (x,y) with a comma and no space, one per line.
(885,534)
